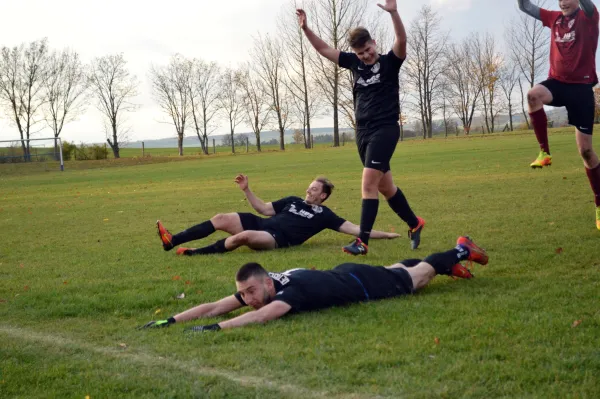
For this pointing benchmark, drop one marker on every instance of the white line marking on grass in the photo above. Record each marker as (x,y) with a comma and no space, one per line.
(154,360)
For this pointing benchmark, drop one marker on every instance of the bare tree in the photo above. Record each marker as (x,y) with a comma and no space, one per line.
(230,101)
(425,66)
(114,88)
(170,86)
(204,95)
(64,90)
(255,101)
(22,73)
(268,53)
(488,63)
(509,77)
(462,82)
(332,20)
(402,100)
(296,68)
(529,47)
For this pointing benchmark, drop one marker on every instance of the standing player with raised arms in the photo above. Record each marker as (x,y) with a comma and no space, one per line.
(376,105)
(570,82)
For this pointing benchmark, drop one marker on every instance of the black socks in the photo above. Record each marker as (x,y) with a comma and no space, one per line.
(367,218)
(442,262)
(216,248)
(399,204)
(194,233)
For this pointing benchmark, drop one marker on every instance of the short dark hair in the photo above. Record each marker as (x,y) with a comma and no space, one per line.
(248,270)
(327,185)
(358,37)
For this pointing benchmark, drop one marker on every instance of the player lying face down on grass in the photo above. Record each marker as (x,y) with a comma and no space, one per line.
(291,221)
(273,295)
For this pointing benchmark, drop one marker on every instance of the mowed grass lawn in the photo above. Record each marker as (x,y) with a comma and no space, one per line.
(81,267)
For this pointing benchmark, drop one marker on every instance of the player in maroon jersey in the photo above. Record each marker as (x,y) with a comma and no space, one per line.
(570,81)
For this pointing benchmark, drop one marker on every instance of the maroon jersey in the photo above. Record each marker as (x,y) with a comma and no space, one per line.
(573,46)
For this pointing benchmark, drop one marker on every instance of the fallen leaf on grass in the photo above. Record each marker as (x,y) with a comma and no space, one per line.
(188,282)
(559,250)
(105,220)
(564,177)
(3,300)
(157,311)
(576,323)
(176,277)
(65,282)
(21,265)
(123,346)
(26,288)
(181,296)
(436,340)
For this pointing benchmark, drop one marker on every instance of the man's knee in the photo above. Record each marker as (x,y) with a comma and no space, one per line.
(538,96)
(240,239)
(587,153)
(221,220)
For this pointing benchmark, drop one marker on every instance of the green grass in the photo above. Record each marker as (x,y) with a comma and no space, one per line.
(81,267)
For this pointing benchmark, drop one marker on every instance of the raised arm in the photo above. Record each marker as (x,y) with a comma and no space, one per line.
(400,41)
(354,230)
(587,6)
(322,48)
(259,205)
(529,8)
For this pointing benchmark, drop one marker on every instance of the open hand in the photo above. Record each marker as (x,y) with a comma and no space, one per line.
(242,181)
(391,236)
(389,6)
(301,18)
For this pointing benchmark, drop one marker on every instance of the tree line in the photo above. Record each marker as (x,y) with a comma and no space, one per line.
(285,83)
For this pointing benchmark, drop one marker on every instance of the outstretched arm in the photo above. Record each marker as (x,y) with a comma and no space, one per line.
(529,8)
(400,41)
(587,6)
(354,230)
(259,205)
(272,311)
(212,309)
(322,48)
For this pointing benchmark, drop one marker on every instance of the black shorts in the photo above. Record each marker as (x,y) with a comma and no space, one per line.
(252,222)
(379,282)
(579,101)
(376,146)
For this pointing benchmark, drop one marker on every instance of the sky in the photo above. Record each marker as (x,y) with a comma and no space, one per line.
(149,32)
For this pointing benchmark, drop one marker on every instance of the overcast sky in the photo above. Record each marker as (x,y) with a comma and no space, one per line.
(149,32)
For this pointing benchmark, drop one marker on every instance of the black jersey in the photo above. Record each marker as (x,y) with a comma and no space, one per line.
(306,290)
(299,221)
(376,89)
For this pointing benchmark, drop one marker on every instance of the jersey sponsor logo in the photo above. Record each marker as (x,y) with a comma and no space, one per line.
(371,81)
(300,212)
(566,38)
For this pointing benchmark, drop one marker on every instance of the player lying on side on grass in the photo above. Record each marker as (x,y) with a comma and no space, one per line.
(292,221)
(273,295)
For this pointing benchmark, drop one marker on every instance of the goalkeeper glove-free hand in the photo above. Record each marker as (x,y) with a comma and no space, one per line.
(159,323)
(210,327)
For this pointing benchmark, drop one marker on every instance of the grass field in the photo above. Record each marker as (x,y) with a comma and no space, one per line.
(81,267)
